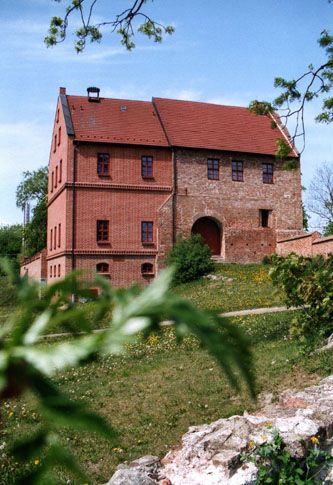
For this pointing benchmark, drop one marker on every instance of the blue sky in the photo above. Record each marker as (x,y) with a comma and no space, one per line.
(223,51)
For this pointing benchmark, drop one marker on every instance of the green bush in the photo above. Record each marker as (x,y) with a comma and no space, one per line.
(191,258)
(307,282)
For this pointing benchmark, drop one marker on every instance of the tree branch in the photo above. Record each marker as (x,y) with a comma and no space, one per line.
(122,24)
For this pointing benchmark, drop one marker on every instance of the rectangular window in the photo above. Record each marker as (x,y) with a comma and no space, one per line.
(51,271)
(146,231)
(60,171)
(102,231)
(237,171)
(265,218)
(54,270)
(52,181)
(267,173)
(57,120)
(213,167)
(55,238)
(103,164)
(59,270)
(146,166)
(59,235)
(55,143)
(56,177)
(51,239)
(59,135)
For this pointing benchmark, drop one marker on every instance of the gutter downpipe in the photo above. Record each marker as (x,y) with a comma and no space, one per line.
(174,195)
(76,143)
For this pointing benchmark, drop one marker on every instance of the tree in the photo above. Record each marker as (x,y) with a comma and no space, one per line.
(10,242)
(122,24)
(315,82)
(320,198)
(34,187)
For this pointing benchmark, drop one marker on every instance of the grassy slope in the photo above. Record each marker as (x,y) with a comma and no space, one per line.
(158,389)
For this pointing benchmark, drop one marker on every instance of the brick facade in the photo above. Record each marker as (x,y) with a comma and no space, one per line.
(246,216)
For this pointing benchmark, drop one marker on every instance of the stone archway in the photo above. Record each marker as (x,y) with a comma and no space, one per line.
(210,233)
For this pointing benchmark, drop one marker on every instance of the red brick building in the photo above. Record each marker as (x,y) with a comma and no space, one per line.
(126,177)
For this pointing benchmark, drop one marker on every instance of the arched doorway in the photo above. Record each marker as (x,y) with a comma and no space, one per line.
(210,233)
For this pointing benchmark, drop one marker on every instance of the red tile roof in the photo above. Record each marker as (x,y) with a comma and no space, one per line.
(186,124)
(105,121)
(203,125)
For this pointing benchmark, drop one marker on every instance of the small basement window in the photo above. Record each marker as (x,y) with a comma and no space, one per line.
(147,269)
(102,268)
(265,217)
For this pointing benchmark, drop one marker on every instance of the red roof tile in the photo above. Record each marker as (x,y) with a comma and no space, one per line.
(105,121)
(203,125)
(186,123)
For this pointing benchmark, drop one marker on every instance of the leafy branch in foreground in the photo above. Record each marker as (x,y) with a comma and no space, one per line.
(315,82)
(27,364)
(122,24)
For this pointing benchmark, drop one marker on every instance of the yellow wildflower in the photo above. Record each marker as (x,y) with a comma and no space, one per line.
(314,440)
(10,414)
(264,438)
(251,443)
(36,462)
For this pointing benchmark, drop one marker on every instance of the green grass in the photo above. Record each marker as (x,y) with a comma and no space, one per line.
(158,388)
(239,287)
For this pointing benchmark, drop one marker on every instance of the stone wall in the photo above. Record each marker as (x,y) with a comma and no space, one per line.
(210,454)
(236,206)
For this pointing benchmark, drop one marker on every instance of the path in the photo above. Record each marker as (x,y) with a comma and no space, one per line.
(253,311)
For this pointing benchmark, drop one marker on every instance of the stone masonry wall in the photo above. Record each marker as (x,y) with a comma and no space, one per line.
(210,454)
(235,206)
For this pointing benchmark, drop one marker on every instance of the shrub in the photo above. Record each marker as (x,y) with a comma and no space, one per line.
(307,282)
(191,258)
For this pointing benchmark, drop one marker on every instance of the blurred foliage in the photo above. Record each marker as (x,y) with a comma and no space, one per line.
(26,364)
(308,283)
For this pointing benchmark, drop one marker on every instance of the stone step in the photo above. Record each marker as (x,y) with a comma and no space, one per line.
(217,259)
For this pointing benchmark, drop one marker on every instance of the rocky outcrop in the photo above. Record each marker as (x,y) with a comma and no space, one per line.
(210,454)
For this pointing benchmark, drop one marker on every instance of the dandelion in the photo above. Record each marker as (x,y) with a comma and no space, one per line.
(314,440)
(10,414)
(139,442)
(269,424)
(36,462)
